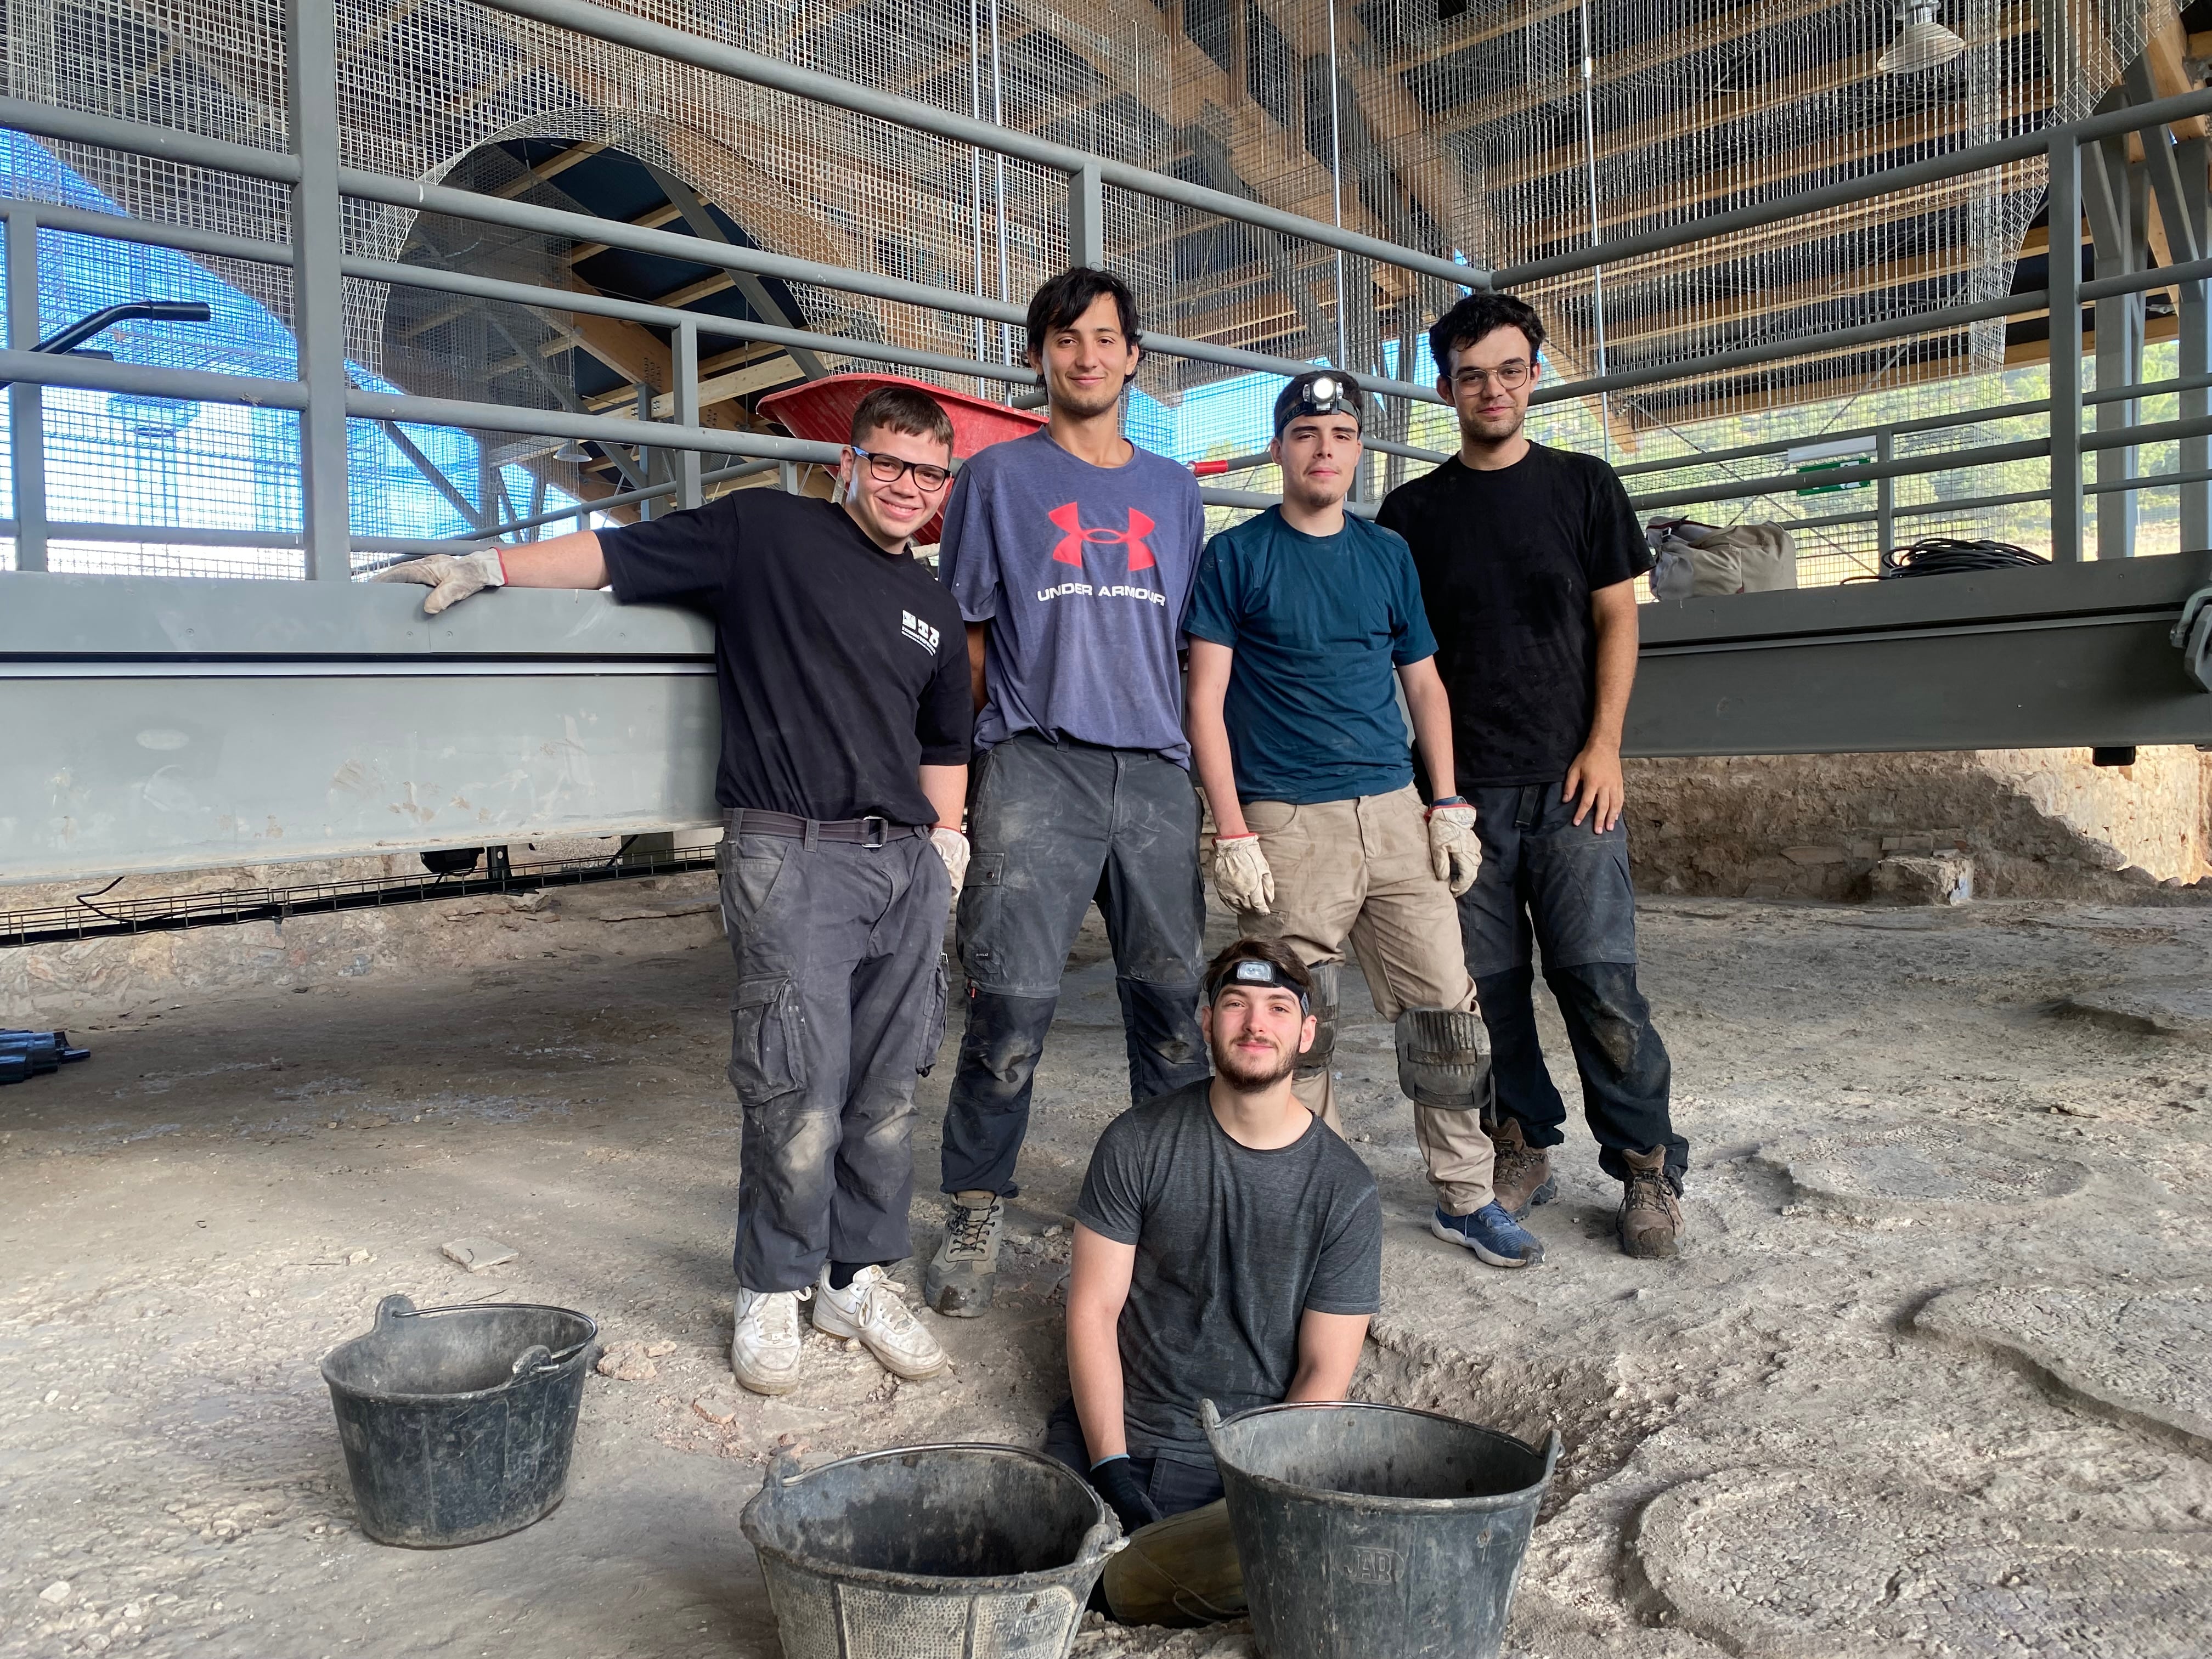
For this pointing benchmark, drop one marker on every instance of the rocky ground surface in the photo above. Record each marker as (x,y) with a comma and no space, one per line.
(1930,1378)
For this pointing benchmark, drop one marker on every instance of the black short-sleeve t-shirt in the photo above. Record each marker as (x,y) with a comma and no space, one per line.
(1234,1245)
(843,668)
(1508,561)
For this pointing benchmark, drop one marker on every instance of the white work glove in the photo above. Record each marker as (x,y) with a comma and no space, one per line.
(1241,874)
(952,846)
(451,577)
(1455,850)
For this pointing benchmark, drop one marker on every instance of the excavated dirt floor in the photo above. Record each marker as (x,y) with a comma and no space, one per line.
(1934,1376)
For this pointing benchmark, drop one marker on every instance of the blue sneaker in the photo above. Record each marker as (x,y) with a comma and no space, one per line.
(1491,1234)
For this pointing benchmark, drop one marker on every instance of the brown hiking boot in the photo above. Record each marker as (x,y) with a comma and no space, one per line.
(1651,1222)
(1522,1174)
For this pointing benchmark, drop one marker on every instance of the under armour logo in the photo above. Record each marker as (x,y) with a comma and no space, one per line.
(1069,551)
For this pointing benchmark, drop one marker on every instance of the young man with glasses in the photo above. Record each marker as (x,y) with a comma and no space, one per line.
(1070,552)
(1529,557)
(845,724)
(1306,623)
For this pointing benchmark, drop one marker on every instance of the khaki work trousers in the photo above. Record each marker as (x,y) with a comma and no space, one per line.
(1358,870)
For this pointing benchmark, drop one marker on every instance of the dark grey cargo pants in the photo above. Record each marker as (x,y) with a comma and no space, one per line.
(840,1003)
(1549,884)
(1056,826)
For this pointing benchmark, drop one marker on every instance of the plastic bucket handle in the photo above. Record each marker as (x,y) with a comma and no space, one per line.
(397,1307)
(1104,1538)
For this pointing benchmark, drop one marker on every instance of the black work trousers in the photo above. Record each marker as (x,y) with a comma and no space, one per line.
(1550,885)
(1054,826)
(840,1004)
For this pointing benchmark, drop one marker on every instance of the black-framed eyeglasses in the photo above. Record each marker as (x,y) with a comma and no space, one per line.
(889,469)
(1510,377)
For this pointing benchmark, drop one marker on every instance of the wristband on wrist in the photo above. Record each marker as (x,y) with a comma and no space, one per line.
(499,556)
(1448,800)
(1247,835)
(1118,1457)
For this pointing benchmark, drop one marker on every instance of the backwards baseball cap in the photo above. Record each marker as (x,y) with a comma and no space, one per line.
(1252,973)
(1322,392)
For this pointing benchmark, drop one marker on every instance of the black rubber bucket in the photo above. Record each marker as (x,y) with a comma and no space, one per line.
(458,1422)
(1375,1532)
(958,1552)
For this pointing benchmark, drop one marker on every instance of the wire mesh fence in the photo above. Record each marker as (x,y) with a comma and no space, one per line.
(1506,132)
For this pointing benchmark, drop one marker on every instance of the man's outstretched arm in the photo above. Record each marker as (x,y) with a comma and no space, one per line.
(571,560)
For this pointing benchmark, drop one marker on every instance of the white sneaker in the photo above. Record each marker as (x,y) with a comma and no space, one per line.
(870,1308)
(764,1351)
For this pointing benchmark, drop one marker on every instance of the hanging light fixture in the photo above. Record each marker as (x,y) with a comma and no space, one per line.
(574,453)
(1923,45)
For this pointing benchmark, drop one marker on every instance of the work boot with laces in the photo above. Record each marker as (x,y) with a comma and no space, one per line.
(1650,1222)
(960,1277)
(871,1308)
(1522,1174)
(764,1351)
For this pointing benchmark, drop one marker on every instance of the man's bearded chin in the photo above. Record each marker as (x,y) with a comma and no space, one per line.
(1251,1077)
(1089,403)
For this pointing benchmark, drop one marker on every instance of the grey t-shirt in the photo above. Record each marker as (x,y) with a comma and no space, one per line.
(1083,572)
(1233,1245)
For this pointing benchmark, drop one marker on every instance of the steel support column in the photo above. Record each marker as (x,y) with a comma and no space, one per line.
(318,284)
(684,365)
(2064,288)
(1086,218)
(2193,166)
(2111,193)
(26,414)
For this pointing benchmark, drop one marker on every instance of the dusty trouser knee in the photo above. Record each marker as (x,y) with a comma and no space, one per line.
(1315,1062)
(1311,1078)
(988,1112)
(1167,1051)
(1443,1068)
(1444,1059)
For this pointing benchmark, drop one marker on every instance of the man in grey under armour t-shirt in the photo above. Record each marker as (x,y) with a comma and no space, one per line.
(1072,553)
(1227,1246)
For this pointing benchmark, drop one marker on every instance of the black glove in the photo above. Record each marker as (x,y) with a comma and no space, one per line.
(1117,1483)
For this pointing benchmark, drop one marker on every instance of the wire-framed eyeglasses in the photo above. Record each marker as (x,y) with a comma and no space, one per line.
(889,469)
(1510,377)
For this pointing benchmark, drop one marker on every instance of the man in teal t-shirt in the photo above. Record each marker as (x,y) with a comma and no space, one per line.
(1305,625)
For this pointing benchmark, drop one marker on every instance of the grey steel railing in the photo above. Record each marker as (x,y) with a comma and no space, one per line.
(324,399)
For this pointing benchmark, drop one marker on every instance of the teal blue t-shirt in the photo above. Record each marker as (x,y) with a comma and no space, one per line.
(1320,625)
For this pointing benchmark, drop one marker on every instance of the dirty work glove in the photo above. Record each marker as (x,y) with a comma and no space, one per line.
(1241,874)
(451,577)
(952,846)
(1455,850)
(1117,1483)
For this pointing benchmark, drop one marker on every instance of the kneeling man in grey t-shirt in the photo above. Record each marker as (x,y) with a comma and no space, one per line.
(1227,1247)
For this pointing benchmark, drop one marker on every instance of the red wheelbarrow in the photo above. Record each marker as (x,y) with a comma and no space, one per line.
(822,412)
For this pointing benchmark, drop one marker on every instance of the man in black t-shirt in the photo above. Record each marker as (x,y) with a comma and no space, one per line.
(846,721)
(1529,558)
(1227,1247)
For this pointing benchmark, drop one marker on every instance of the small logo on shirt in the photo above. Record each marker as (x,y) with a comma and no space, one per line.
(1069,550)
(919,631)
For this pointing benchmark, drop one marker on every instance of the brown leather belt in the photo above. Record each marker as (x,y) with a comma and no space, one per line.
(866,832)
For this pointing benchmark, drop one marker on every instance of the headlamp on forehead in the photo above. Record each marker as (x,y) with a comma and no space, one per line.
(1247,973)
(1323,392)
